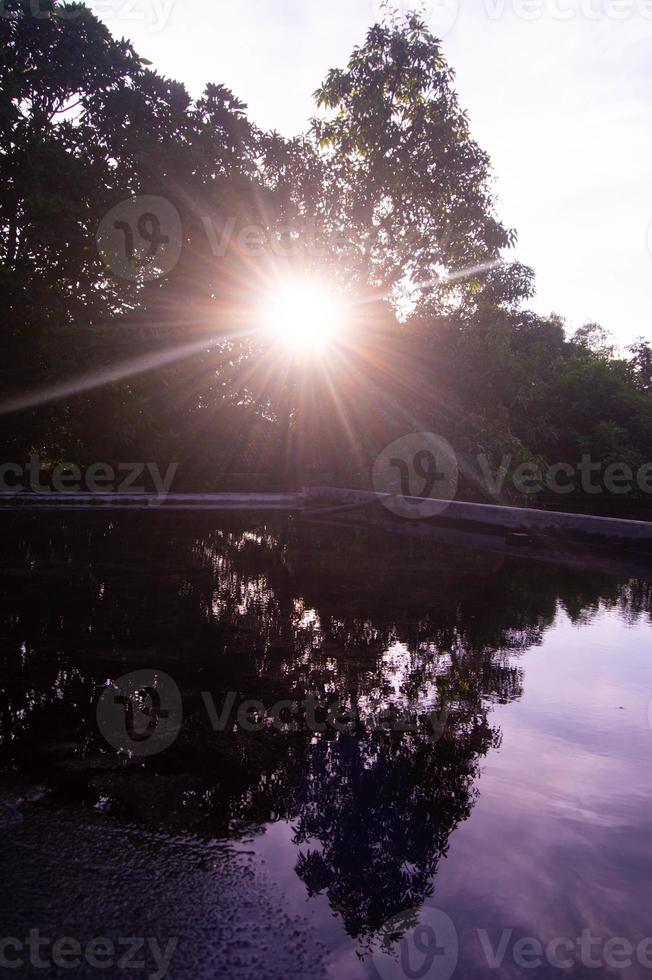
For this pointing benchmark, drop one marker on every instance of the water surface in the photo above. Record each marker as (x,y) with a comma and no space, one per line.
(517,803)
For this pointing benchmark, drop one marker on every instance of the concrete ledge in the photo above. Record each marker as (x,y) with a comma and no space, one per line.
(600,556)
(152,501)
(510,519)
(517,519)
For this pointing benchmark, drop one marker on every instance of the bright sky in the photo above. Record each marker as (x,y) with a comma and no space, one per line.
(558,91)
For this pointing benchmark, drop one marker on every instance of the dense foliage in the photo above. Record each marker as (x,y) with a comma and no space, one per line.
(387,197)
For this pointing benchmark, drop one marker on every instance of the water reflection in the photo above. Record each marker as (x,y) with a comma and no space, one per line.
(270,612)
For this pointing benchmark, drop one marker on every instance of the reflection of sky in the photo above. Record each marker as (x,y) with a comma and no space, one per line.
(561,101)
(558,840)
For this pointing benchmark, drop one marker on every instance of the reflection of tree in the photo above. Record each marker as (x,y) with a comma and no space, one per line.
(377,815)
(279,611)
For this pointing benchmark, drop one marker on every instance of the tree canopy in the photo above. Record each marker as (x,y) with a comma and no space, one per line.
(386,197)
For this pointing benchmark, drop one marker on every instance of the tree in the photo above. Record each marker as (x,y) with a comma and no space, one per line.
(387,197)
(84,125)
(407,182)
(592,337)
(641,352)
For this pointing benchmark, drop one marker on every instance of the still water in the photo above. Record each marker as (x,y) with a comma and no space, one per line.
(481,785)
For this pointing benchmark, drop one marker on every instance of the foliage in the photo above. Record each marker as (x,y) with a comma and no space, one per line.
(388,197)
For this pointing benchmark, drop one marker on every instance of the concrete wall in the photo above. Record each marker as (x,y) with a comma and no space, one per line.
(515,519)
(153,501)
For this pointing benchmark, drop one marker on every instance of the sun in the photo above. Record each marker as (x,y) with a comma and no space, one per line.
(304,317)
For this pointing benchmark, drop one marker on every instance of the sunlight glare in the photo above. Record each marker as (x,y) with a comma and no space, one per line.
(304,317)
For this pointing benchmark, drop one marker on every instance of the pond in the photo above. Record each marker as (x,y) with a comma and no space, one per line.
(269,747)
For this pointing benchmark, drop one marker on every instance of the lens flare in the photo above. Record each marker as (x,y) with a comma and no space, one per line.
(304,317)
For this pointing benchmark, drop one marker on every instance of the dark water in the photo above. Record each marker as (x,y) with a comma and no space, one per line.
(491,782)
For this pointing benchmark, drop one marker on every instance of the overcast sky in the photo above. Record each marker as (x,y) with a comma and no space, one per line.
(558,91)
